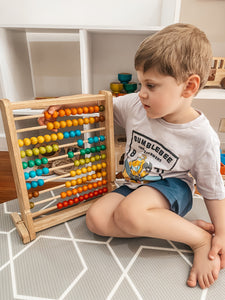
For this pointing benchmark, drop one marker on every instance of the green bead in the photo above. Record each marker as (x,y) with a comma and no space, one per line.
(44,160)
(37,162)
(25,164)
(103,147)
(93,150)
(70,154)
(87,150)
(98,148)
(101,107)
(31,163)
(82,152)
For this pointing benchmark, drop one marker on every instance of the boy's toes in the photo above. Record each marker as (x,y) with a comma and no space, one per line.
(192,279)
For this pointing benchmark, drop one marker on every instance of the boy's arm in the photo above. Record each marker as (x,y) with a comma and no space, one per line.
(216,209)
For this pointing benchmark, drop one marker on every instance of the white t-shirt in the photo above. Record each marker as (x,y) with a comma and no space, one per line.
(156,149)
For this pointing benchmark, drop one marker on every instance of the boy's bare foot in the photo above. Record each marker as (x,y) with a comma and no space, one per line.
(203,271)
(209,227)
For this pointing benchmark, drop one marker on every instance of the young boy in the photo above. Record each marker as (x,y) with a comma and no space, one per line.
(168,143)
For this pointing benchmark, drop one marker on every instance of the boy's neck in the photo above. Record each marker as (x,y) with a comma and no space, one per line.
(182,117)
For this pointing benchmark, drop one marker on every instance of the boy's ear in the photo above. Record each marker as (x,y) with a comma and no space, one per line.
(191,86)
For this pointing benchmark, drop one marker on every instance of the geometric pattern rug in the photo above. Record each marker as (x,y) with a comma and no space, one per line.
(69,262)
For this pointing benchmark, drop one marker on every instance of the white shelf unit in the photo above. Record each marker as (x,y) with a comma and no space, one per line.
(55,47)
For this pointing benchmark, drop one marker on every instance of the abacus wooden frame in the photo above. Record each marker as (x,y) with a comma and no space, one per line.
(26,225)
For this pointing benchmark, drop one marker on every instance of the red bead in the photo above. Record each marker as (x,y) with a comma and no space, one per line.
(95,193)
(59,205)
(70,201)
(100,191)
(81,198)
(91,195)
(65,203)
(76,200)
(86,196)
(105,190)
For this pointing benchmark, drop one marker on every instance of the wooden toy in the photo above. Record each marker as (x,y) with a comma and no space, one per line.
(87,129)
(217,74)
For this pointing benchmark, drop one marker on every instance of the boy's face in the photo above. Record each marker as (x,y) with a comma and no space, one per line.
(161,95)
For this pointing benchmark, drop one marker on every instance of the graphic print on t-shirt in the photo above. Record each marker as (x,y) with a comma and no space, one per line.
(147,159)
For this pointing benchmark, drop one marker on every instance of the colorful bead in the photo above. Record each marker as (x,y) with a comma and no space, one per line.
(31,164)
(80,143)
(44,160)
(37,162)
(24,164)
(78,132)
(28,185)
(34,184)
(40,182)
(70,154)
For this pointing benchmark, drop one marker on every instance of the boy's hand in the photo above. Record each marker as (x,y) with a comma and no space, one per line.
(50,110)
(218,247)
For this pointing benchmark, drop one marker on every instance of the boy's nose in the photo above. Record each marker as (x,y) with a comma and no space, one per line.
(143,94)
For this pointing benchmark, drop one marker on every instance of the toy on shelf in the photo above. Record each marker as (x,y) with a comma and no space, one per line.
(85,129)
(217,73)
(124,86)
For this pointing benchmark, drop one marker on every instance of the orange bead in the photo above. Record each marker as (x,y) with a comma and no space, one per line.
(99,174)
(94,176)
(96,108)
(62,113)
(74,191)
(104,174)
(75,122)
(63,195)
(68,184)
(84,179)
(79,181)
(79,189)
(85,188)
(89,178)
(80,110)
(69,123)
(99,183)
(47,115)
(91,109)
(68,111)
(90,186)
(56,125)
(69,193)
(73,111)
(104,181)
(85,109)
(95,185)
(55,114)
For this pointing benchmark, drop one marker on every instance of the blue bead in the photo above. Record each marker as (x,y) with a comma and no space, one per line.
(90,140)
(80,143)
(45,171)
(34,184)
(40,182)
(39,172)
(78,132)
(28,185)
(102,138)
(72,133)
(32,174)
(96,139)
(26,175)
(66,134)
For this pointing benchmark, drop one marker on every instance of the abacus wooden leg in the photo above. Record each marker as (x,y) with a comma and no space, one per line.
(21,228)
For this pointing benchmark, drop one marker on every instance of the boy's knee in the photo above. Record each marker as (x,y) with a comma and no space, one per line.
(126,218)
(94,222)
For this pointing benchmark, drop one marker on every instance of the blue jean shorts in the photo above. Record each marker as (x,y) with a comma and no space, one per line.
(177,192)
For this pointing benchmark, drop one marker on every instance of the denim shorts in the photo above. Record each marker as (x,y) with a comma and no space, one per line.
(177,192)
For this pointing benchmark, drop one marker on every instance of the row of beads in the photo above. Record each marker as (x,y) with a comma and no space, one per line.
(81,198)
(41,150)
(36,162)
(74,111)
(74,122)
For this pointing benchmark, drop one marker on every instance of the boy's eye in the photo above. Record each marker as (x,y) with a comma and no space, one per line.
(150,86)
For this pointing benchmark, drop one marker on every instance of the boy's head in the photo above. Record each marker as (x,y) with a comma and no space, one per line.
(179,50)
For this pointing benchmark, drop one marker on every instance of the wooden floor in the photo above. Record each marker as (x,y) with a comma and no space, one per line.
(7,186)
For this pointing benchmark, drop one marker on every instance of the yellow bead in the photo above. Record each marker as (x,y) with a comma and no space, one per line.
(94,176)
(60,135)
(73,182)
(62,124)
(104,173)
(80,121)
(89,178)
(47,138)
(69,123)
(94,168)
(78,172)
(91,120)
(68,184)
(84,179)
(84,170)
(50,126)
(99,166)
(86,121)
(89,169)
(103,165)
(54,136)
(75,122)
(26,141)
(20,142)
(72,173)
(79,181)
(34,140)
(56,124)
(40,139)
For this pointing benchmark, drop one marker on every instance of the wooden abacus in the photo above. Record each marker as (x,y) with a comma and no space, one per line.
(97,161)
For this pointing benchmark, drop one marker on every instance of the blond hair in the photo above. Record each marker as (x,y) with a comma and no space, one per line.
(179,50)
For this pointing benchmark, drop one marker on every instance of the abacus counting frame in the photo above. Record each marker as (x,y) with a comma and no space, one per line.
(28,224)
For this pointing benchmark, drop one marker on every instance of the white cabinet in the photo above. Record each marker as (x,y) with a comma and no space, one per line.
(56,47)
